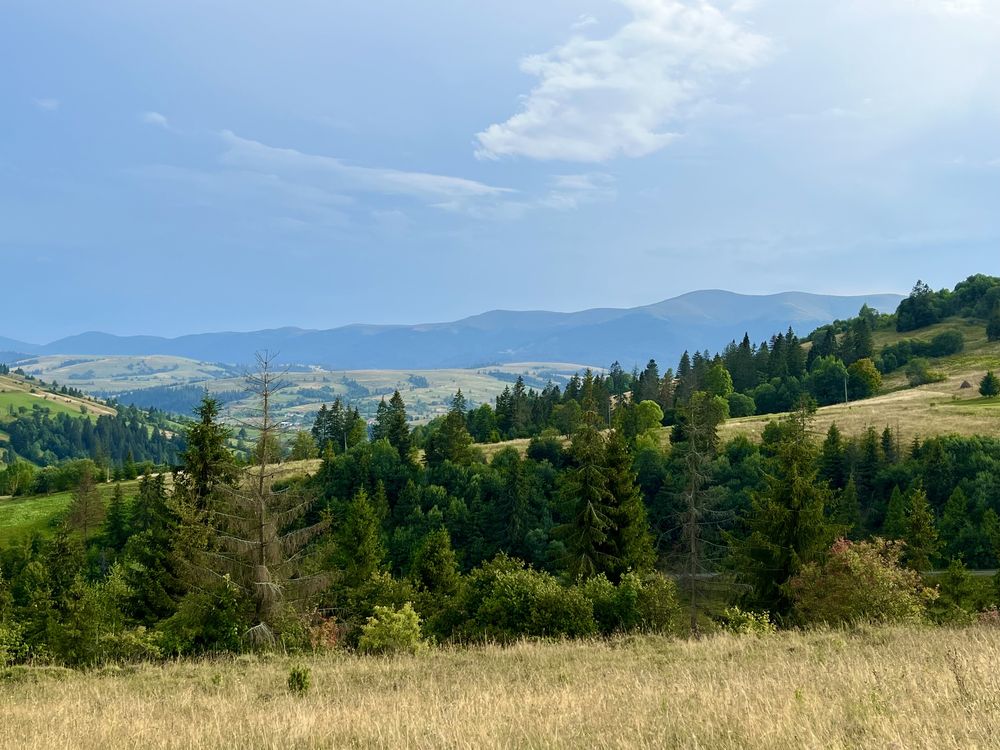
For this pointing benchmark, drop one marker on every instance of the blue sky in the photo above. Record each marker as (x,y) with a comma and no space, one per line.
(174,167)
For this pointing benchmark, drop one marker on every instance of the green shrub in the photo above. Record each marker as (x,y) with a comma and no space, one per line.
(206,621)
(12,647)
(741,405)
(860,582)
(741,622)
(519,601)
(656,602)
(638,603)
(298,680)
(391,631)
(137,644)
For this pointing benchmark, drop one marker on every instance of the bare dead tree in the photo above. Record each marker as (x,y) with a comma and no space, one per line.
(257,540)
(699,514)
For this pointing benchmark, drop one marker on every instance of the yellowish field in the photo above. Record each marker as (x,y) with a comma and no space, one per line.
(892,688)
(936,409)
(17,393)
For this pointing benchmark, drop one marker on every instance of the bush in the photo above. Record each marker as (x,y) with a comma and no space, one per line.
(298,680)
(741,405)
(741,622)
(946,343)
(860,582)
(12,647)
(391,631)
(206,621)
(506,600)
(864,379)
(989,386)
(918,372)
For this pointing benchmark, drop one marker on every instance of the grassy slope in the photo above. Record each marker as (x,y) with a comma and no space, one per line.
(22,516)
(17,393)
(115,374)
(934,409)
(896,687)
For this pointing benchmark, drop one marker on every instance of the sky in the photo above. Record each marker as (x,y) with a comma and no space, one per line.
(187,166)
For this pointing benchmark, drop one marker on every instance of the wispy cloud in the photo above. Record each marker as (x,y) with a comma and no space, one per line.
(570,191)
(583,21)
(248,154)
(597,99)
(47,104)
(155,119)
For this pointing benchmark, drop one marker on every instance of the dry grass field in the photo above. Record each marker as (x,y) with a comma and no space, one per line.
(892,688)
(937,409)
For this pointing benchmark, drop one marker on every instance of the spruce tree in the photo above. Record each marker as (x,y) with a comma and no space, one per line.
(955,524)
(587,498)
(989,386)
(207,461)
(397,431)
(788,524)
(452,441)
(628,534)
(360,549)
(846,510)
(86,509)
(434,566)
(151,570)
(831,460)
(920,533)
(894,526)
(116,525)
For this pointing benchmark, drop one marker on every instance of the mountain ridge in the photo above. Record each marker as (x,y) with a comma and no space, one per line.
(700,319)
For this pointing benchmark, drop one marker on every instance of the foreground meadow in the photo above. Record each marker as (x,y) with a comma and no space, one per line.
(894,687)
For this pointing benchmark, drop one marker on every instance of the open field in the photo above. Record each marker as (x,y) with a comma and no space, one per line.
(935,409)
(20,517)
(891,688)
(17,394)
(427,393)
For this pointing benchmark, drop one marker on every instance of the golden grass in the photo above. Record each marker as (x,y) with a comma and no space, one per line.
(892,688)
(936,409)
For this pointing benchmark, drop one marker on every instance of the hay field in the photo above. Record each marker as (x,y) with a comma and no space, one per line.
(891,688)
(937,409)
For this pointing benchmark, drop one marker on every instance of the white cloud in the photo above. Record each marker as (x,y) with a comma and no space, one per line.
(252,155)
(603,98)
(49,105)
(156,119)
(583,21)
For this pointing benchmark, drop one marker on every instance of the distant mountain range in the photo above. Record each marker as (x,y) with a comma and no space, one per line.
(696,321)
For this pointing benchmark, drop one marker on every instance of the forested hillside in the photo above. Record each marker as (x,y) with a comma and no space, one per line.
(392,535)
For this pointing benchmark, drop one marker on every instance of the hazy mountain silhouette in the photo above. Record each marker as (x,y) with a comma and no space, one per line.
(697,320)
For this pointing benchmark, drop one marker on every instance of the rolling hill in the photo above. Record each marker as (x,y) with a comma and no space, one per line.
(698,320)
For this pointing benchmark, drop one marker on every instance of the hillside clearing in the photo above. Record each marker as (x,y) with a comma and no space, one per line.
(902,687)
(17,394)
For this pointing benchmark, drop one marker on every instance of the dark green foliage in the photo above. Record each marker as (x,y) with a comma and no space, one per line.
(989,386)
(451,440)
(788,526)
(299,679)
(993,326)
(46,440)
(919,531)
(207,461)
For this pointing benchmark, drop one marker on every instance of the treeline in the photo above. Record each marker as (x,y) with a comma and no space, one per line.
(45,439)
(175,399)
(976,297)
(571,539)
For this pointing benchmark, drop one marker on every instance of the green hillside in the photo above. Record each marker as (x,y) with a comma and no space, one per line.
(939,408)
